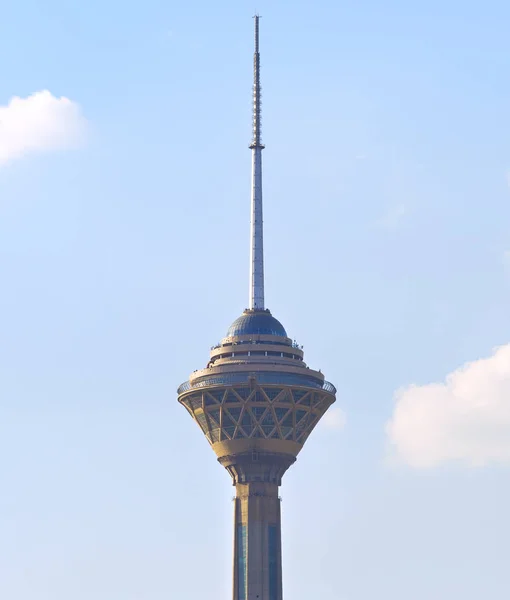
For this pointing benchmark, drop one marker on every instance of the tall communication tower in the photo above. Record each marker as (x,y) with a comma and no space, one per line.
(257,402)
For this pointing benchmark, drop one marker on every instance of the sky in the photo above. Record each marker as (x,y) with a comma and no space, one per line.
(124,223)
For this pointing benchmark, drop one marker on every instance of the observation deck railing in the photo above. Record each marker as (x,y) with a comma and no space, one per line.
(264,378)
(227,342)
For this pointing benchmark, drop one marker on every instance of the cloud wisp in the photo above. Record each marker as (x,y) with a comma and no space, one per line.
(463,420)
(334,419)
(41,122)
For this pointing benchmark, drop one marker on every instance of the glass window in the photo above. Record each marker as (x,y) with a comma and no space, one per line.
(271,393)
(319,401)
(300,414)
(273,561)
(235,413)
(268,419)
(229,432)
(243,392)
(239,434)
(202,421)
(299,394)
(246,420)
(268,423)
(288,421)
(280,412)
(286,432)
(242,551)
(196,402)
(227,420)
(231,398)
(214,417)
(301,421)
(258,411)
(312,421)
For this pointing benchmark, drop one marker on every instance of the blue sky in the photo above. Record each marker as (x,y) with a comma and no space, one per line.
(124,256)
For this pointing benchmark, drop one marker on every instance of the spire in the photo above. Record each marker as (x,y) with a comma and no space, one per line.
(257,242)
(256,89)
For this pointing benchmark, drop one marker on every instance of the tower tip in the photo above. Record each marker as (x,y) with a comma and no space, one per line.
(256,16)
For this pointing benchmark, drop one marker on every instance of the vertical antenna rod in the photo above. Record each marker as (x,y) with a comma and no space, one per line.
(257,241)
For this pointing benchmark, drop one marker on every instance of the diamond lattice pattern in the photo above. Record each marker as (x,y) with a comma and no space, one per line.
(271,412)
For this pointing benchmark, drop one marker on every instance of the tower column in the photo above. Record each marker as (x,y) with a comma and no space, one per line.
(257,402)
(257,542)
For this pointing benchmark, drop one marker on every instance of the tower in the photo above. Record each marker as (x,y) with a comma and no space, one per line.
(256,402)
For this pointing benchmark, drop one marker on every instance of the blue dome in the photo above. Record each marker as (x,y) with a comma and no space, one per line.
(258,322)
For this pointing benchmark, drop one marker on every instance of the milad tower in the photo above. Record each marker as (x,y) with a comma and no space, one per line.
(257,402)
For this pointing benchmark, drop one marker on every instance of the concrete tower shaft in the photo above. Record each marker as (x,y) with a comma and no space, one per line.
(256,402)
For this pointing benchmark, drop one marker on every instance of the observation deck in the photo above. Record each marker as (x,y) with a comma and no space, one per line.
(256,393)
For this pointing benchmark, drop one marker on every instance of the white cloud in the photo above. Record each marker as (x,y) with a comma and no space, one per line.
(38,123)
(334,419)
(465,419)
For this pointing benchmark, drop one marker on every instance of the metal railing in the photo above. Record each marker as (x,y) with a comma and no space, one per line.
(268,378)
(329,387)
(228,342)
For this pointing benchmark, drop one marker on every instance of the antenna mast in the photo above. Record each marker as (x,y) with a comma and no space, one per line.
(257,238)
